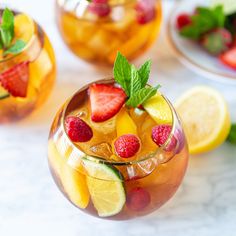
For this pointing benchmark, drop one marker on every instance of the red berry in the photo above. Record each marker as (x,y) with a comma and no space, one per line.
(127,145)
(137,199)
(183,20)
(179,136)
(100,8)
(15,79)
(146,11)
(160,134)
(105,100)
(77,129)
(229,58)
(217,41)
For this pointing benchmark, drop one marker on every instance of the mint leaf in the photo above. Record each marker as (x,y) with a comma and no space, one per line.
(219,15)
(232,134)
(144,72)
(15,48)
(141,96)
(5,36)
(135,83)
(203,21)
(122,72)
(8,25)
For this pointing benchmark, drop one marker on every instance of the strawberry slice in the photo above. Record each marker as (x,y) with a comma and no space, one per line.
(106,101)
(229,58)
(15,79)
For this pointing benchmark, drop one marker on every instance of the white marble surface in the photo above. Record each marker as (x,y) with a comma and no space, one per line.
(30,203)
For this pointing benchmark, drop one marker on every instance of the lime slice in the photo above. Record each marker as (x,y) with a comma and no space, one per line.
(3,93)
(105,184)
(205,118)
(229,5)
(158,109)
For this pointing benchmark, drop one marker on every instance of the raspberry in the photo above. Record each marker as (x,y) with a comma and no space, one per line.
(127,145)
(100,8)
(77,129)
(145,11)
(183,20)
(137,199)
(160,134)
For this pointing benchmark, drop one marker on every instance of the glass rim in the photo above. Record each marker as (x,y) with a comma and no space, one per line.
(28,44)
(98,159)
(112,4)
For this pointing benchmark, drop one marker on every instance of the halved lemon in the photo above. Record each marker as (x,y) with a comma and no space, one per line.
(205,118)
(24,27)
(105,184)
(158,109)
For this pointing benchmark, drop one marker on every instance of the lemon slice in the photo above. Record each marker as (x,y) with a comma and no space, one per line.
(3,93)
(24,27)
(105,185)
(158,109)
(73,182)
(205,117)
(75,186)
(125,124)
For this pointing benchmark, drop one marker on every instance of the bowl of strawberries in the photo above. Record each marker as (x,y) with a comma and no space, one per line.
(202,34)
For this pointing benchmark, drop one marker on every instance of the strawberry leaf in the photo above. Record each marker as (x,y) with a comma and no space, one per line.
(232,134)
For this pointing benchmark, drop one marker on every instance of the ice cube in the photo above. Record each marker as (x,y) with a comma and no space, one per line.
(106,127)
(103,150)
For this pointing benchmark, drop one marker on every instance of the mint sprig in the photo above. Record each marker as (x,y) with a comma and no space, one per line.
(7,35)
(203,21)
(232,134)
(133,80)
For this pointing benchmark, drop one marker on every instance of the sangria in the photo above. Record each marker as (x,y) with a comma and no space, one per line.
(27,66)
(117,150)
(95,30)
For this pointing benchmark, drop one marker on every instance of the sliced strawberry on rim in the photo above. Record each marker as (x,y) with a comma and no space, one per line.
(105,101)
(15,79)
(229,58)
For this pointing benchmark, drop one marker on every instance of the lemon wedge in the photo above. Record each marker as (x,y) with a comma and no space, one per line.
(158,109)
(24,27)
(205,118)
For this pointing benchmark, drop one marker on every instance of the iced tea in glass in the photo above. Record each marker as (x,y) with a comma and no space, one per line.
(26,77)
(96,30)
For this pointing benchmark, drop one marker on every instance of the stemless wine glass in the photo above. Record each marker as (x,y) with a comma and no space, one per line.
(26,78)
(92,177)
(96,30)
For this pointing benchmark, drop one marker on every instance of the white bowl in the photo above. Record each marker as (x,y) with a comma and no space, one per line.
(190,53)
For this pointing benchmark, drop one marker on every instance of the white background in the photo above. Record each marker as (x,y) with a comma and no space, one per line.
(30,203)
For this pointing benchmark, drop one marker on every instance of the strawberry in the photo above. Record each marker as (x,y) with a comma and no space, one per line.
(100,8)
(160,134)
(145,11)
(15,79)
(229,58)
(106,101)
(127,145)
(77,129)
(183,20)
(217,41)
(137,199)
